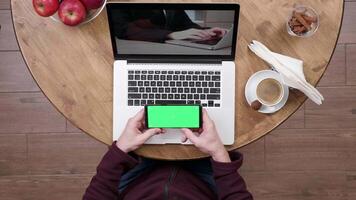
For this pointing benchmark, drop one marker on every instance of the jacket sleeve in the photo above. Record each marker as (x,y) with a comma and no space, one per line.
(153,34)
(230,185)
(125,27)
(105,184)
(182,21)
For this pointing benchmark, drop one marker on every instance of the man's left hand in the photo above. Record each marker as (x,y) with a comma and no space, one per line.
(134,134)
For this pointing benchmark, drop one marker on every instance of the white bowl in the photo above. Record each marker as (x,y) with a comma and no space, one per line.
(91,15)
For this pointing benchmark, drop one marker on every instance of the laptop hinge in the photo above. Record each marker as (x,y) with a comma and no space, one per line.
(193,61)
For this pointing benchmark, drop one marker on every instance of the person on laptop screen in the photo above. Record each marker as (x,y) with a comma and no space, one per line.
(123,175)
(161,25)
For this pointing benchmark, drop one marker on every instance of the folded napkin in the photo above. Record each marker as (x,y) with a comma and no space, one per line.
(291,70)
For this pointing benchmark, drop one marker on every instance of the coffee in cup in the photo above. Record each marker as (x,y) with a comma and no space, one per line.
(269,91)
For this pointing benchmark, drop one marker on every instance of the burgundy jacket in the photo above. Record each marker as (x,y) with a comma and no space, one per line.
(165,182)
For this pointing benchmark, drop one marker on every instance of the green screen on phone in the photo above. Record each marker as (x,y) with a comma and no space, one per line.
(170,116)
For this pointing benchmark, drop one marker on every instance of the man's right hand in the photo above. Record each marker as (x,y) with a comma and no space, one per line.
(208,141)
(192,33)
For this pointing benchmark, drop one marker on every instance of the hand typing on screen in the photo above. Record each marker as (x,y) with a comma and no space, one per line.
(217,31)
(198,34)
(192,33)
(207,140)
(134,134)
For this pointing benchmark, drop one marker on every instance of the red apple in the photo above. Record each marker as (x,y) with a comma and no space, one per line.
(92,4)
(45,8)
(72,12)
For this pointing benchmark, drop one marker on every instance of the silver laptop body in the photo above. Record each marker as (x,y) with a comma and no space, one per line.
(141,78)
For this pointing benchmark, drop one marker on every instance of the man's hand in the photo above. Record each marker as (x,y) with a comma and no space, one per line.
(198,34)
(217,32)
(192,33)
(134,135)
(208,140)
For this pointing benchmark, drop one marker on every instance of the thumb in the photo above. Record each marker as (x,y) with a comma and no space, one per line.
(190,135)
(183,138)
(150,132)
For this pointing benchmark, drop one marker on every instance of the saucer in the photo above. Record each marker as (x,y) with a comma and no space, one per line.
(251,85)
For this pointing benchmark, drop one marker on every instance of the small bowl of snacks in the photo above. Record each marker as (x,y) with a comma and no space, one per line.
(303,21)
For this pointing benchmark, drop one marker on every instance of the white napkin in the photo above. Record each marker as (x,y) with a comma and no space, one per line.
(292,63)
(291,70)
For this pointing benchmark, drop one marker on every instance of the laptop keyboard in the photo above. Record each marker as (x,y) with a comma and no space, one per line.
(174,87)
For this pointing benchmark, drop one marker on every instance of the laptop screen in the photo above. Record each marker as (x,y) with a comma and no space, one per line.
(173,30)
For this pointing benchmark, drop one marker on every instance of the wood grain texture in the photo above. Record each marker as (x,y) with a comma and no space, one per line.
(348,29)
(294,185)
(311,149)
(337,111)
(254,156)
(14,74)
(351,184)
(71,128)
(7,36)
(63,153)
(80,86)
(351,64)
(5,4)
(295,121)
(13,154)
(43,187)
(28,113)
(336,73)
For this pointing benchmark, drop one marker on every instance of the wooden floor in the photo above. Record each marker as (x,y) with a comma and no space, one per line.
(312,156)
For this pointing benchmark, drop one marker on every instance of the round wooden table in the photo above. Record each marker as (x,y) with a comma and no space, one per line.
(73,66)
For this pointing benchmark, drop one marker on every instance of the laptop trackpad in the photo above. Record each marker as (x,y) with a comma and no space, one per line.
(171,136)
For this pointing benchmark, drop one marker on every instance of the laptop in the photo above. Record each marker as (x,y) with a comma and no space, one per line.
(212,44)
(147,70)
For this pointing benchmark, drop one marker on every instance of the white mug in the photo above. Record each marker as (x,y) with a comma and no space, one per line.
(280,92)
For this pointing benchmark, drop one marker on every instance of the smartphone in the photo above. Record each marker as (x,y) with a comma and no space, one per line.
(173,116)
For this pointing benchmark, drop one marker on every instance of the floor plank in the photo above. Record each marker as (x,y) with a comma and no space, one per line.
(43,187)
(351,64)
(7,34)
(294,121)
(4,4)
(351,184)
(337,111)
(27,113)
(348,29)
(254,156)
(297,185)
(13,154)
(311,149)
(14,74)
(63,153)
(336,71)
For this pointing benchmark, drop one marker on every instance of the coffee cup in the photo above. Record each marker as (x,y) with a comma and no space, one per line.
(269,91)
